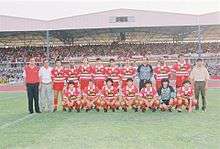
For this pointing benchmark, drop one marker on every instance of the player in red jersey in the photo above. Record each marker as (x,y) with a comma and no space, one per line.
(86,72)
(127,71)
(72,97)
(162,71)
(72,74)
(99,74)
(148,97)
(185,97)
(90,96)
(181,70)
(109,96)
(130,95)
(114,73)
(58,78)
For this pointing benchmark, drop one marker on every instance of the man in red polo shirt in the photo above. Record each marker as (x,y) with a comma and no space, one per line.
(31,78)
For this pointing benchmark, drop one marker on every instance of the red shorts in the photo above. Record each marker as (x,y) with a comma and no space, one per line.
(158,84)
(58,86)
(180,80)
(99,83)
(84,83)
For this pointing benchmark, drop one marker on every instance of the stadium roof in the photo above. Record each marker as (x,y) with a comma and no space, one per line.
(117,18)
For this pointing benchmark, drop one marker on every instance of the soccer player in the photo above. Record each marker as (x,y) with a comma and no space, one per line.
(145,73)
(148,97)
(90,96)
(167,95)
(72,74)
(99,74)
(185,97)
(86,72)
(114,73)
(130,96)
(58,78)
(127,71)
(161,71)
(181,70)
(72,97)
(109,95)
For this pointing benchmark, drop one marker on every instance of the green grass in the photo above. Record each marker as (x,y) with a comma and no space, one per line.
(107,130)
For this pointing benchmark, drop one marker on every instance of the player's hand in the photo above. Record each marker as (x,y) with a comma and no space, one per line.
(206,87)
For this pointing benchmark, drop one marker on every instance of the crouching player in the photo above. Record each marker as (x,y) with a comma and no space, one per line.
(72,97)
(130,96)
(167,96)
(90,96)
(109,96)
(148,97)
(185,97)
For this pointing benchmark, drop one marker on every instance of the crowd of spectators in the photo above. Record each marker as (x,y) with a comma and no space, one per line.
(13,59)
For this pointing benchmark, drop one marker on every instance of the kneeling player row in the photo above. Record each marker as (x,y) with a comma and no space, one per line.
(148,98)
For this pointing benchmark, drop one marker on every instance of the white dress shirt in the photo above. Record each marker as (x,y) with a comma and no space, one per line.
(45,74)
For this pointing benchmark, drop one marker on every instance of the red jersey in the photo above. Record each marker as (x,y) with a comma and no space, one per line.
(113,73)
(99,73)
(109,92)
(72,93)
(128,72)
(162,72)
(148,93)
(182,73)
(186,92)
(91,91)
(58,75)
(86,72)
(72,74)
(130,91)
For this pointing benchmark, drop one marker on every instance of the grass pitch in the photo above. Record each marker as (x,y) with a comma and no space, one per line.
(120,130)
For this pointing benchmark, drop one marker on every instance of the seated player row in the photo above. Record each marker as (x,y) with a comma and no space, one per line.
(109,98)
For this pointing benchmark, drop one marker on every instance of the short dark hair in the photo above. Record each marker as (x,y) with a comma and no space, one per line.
(57,60)
(147,82)
(180,55)
(199,60)
(109,79)
(112,60)
(129,79)
(71,82)
(186,81)
(165,80)
(98,59)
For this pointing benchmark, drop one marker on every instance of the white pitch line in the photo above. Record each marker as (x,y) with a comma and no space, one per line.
(16,121)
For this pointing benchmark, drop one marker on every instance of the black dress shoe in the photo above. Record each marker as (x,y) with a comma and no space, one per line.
(38,112)
(135,109)
(154,110)
(113,110)
(31,112)
(105,110)
(97,110)
(54,110)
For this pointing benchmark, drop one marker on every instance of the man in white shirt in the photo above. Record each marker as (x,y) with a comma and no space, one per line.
(199,77)
(46,92)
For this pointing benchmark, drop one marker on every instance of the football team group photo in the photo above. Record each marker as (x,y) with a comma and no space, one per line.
(109,74)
